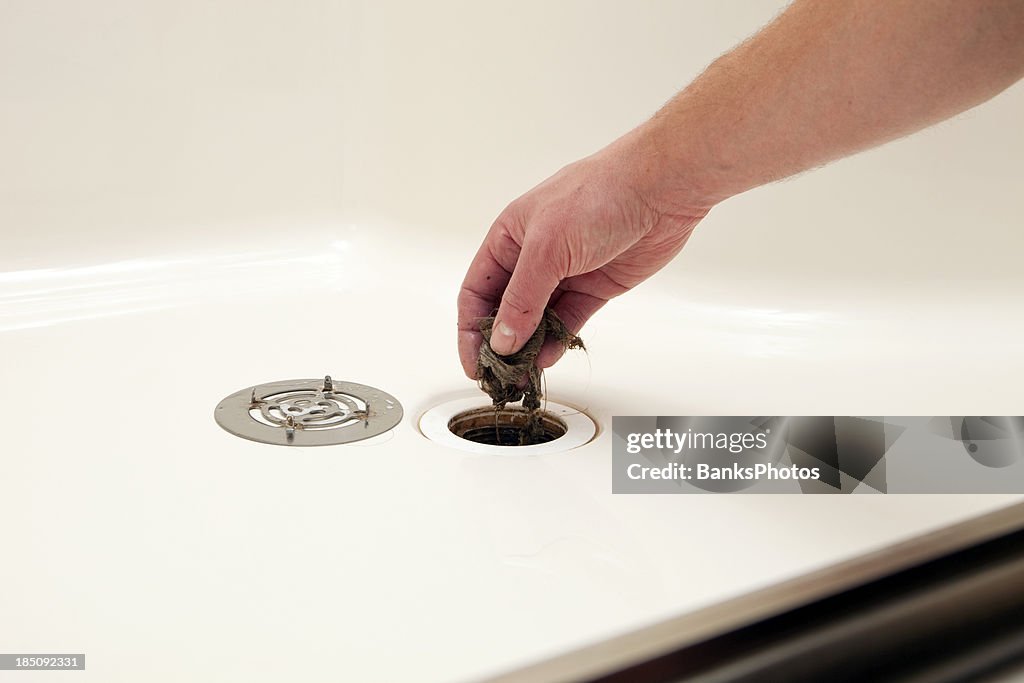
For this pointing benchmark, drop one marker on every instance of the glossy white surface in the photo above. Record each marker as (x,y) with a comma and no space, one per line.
(199,197)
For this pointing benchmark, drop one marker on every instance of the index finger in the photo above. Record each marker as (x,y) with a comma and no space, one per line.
(479,297)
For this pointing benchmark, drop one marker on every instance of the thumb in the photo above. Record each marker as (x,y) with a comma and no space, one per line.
(533,281)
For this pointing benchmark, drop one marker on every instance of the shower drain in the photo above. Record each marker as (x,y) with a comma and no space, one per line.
(468,425)
(308,412)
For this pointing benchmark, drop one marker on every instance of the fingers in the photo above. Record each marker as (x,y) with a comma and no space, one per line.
(469,351)
(575,309)
(479,296)
(481,290)
(536,275)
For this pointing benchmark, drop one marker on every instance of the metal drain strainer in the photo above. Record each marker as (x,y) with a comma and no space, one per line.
(308,412)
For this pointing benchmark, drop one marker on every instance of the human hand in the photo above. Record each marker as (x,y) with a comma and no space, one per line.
(816,84)
(594,230)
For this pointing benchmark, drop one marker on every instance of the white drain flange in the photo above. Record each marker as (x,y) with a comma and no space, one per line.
(434,424)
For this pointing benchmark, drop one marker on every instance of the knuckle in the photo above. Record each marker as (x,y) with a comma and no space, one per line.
(467,295)
(509,222)
(572,315)
(549,245)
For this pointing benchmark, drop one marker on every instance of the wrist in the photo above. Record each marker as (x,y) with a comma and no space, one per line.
(677,171)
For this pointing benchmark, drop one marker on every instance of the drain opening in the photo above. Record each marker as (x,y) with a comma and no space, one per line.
(467,424)
(505,427)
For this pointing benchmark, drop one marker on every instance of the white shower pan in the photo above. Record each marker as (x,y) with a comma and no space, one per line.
(199,200)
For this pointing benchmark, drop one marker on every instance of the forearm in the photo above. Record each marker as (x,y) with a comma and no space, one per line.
(826,79)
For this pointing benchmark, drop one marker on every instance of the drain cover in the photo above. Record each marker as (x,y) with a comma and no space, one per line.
(308,412)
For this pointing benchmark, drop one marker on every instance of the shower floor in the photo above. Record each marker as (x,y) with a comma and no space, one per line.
(140,533)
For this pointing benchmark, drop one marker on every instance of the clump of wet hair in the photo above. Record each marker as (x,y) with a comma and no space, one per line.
(516,377)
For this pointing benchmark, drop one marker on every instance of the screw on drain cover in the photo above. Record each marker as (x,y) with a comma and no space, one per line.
(308,412)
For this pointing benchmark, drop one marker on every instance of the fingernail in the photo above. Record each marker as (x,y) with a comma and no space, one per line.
(502,339)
